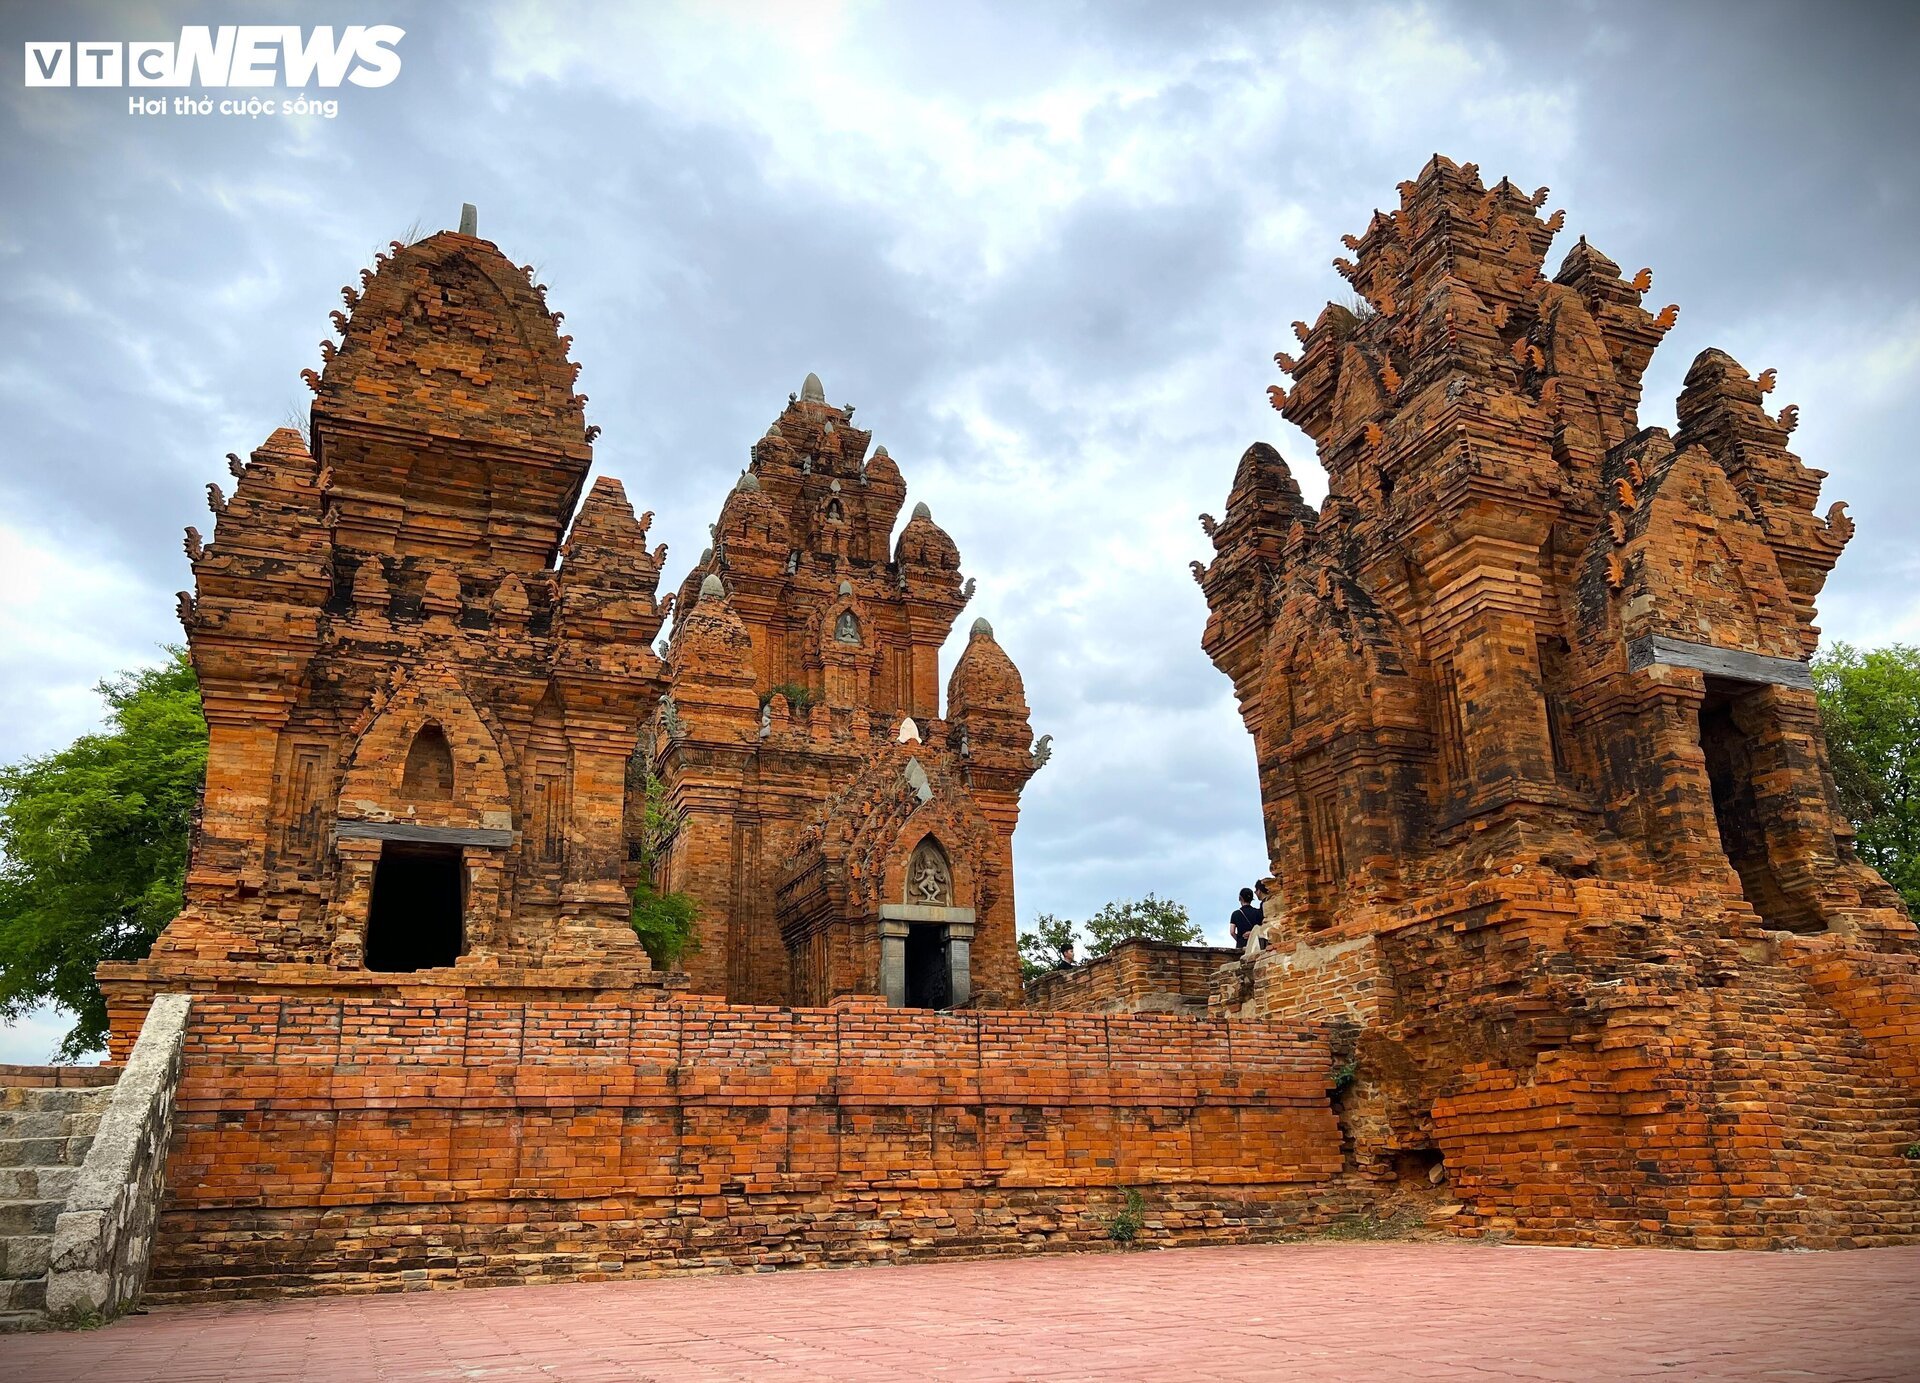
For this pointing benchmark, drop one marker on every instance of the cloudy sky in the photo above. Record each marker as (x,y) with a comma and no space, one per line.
(1047,249)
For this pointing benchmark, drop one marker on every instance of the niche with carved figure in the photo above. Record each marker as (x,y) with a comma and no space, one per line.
(428,776)
(930,876)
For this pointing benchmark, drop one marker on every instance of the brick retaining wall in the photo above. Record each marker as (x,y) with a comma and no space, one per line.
(364,1144)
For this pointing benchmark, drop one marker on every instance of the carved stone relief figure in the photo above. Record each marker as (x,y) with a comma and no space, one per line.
(929,878)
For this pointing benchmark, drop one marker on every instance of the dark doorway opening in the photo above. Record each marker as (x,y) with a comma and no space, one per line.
(415,920)
(928,981)
(1737,809)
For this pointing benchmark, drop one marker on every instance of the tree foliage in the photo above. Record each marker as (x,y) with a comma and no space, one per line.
(93,846)
(1044,948)
(1870,701)
(1155,919)
(666,923)
(1151,918)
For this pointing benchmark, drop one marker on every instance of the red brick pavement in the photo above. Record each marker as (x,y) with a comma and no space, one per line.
(1305,1311)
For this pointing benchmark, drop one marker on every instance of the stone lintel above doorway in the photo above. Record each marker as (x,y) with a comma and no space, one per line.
(422,835)
(925,912)
(1730,663)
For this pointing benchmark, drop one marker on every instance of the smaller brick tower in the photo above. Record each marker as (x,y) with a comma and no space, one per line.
(839,835)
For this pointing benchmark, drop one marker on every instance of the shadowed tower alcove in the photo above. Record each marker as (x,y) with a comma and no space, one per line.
(1728,716)
(428,776)
(415,922)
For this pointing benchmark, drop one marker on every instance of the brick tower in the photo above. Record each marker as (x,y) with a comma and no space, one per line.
(839,834)
(422,689)
(1545,786)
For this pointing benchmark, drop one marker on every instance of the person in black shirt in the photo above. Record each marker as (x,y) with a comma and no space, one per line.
(1245,919)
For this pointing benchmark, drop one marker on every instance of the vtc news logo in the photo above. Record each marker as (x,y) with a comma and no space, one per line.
(231,55)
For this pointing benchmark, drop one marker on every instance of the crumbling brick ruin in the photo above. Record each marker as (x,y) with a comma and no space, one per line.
(1554,839)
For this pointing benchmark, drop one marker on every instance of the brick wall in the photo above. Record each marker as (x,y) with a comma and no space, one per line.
(1595,1062)
(1137,976)
(1878,994)
(353,1143)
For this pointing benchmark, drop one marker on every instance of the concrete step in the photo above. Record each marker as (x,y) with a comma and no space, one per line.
(28,1216)
(36,1183)
(25,1255)
(55,1099)
(34,1123)
(44,1152)
(28,1294)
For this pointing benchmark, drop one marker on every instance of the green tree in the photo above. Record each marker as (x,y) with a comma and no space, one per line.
(1870,701)
(664,922)
(93,846)
(1044,949)
(1155,919)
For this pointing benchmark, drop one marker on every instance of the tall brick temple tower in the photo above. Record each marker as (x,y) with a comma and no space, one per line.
(1551,823)
(427,692)
(422,690)
(841,835)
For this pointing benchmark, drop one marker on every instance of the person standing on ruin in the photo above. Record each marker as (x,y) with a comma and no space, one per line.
(1246,917)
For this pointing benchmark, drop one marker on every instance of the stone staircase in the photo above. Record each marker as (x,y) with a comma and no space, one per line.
(45,1133)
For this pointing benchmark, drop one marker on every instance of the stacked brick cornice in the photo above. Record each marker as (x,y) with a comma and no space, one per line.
(1552,830)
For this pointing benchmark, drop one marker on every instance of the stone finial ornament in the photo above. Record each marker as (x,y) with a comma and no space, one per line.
(670,723)
(917,780)
(811,390)
(909,732)
(712,588)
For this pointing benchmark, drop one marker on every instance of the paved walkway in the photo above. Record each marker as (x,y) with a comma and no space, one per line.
(1302,1311)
